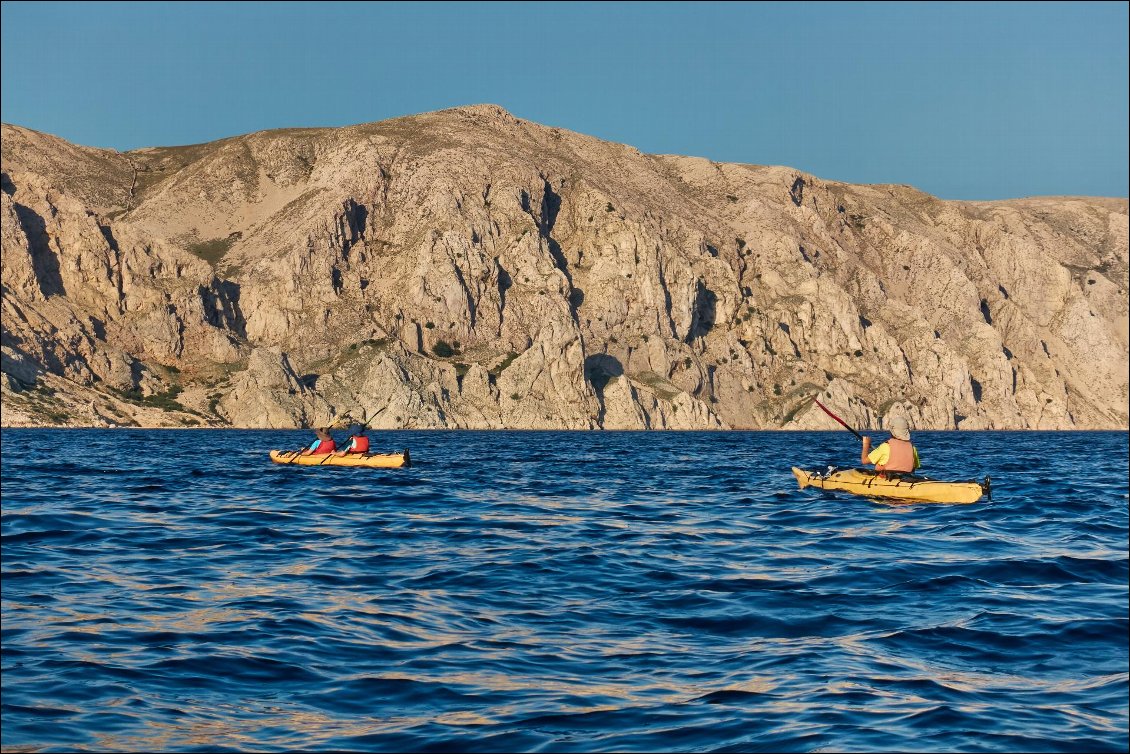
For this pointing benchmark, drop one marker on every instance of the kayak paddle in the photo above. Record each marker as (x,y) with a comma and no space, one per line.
(841,421)
(374,416)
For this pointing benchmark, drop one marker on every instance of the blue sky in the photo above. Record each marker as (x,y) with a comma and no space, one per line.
(962,100)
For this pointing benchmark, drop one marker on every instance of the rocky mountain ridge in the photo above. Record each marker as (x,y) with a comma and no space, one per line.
(465,268)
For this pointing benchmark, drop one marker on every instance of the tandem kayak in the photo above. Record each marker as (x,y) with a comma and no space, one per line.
(365,460)
(903,487)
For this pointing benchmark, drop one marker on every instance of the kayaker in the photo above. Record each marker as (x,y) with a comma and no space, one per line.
(357,443)
(321,446)
(897,453)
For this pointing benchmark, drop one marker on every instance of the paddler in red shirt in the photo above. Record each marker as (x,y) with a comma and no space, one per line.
(321,446)
(357,443)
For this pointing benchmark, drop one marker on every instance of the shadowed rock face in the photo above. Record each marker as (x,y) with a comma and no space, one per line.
(468,269)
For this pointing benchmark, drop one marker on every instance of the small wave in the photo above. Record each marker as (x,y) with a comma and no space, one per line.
(220,671)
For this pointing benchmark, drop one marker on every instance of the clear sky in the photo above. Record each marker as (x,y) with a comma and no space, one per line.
(962,100)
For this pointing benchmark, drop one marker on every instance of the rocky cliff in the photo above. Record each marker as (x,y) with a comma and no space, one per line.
(465,268)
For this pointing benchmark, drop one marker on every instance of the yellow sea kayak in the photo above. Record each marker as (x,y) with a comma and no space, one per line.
(365,460)
(901,487)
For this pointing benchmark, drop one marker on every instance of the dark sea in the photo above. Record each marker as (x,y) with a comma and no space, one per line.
(171,590)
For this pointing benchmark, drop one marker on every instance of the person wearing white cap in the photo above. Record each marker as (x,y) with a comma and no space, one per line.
(897,453)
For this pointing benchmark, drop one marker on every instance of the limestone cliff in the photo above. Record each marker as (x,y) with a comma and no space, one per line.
(465,268)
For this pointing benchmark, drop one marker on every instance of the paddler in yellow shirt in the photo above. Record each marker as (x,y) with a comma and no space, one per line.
(897,453)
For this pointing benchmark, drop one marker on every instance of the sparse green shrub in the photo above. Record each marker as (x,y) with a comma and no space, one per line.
(213,251)
(165,401)
(443,349)
(505,363)
(133,395)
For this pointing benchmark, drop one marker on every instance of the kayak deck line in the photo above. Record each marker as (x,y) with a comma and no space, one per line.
(354,460)
(901,487)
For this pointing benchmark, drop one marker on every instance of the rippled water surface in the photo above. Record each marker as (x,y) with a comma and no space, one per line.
(557,591)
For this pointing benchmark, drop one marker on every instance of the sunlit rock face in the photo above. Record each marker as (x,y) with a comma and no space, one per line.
(465,268)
